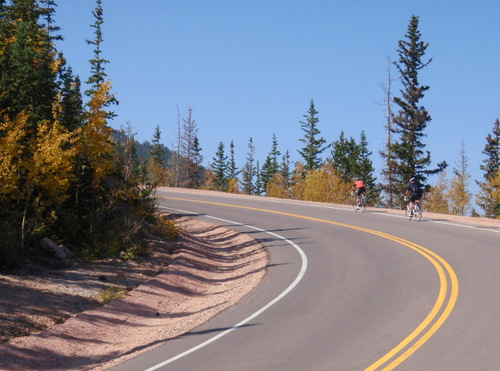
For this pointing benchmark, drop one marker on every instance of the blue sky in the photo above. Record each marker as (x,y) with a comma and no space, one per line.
(250,69)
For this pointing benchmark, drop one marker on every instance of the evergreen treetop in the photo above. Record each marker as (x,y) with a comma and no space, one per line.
(313,144)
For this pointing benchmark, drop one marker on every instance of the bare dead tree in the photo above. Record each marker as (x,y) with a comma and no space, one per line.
(386,153)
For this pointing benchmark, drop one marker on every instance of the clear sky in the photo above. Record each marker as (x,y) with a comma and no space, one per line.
(250,69)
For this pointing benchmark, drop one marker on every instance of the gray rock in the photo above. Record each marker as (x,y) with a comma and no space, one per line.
(52,249)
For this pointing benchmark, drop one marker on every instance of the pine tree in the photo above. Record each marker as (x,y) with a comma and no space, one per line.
(270,166)
(219,168)
(72,103)
(345,157)
(47,11)
(28,67)
(97,63)
(285,168)
(259,189)
(249,171)
(313,146)
(366,170)
(157,151)
(196,172)
(412,118)
(279,184)
(458,194)
(232,170)
(491,165)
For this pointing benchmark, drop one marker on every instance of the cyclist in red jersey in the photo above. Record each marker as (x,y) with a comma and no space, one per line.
(360,187)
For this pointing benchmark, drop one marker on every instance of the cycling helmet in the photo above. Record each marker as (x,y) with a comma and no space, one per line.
(412,179)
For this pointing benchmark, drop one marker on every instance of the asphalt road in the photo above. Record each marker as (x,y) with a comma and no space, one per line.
(345,291)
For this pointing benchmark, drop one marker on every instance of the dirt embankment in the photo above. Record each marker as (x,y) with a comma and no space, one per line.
(213,270)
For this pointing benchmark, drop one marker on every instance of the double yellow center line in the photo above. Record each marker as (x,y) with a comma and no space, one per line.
(447,297)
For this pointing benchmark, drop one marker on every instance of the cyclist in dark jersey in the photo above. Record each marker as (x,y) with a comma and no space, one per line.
(414,191)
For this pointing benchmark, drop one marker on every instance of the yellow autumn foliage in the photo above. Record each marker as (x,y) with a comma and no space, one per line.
(436,200)
(41,165)
(233,186)
(326,185)
(95,136)
(278,187)
(495,192)
(52,161)
(298,182)
(12,134)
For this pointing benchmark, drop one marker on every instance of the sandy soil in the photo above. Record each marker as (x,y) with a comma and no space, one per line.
(213,270)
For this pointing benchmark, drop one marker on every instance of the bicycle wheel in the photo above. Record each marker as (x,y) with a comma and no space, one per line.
(407,211)
(353,203)
(363,205)
(418,213)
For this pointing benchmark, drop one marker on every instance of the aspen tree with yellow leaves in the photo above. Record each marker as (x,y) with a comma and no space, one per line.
(35,174)
(436,200)
(95,136)
(326,185)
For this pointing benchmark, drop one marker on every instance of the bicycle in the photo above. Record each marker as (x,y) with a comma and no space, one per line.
(417,211)
(362,202)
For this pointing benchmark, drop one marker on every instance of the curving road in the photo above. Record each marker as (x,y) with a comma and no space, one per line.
(346,291)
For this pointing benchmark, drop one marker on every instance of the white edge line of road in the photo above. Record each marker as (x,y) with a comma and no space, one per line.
(264,308)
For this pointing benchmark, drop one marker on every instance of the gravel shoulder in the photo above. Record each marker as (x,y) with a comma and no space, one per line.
(213,269)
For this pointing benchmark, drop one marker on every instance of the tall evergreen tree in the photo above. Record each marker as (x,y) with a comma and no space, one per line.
(285,168)
(352,160)
(270,166)
(249,171)
(47,11)
(157,151)
(219,167)
(71,100)
(259,188)
(28,67)
(196,172)
(345,157)
(313,144)
(491,166)
(412,118)
(232,170)
(97,63)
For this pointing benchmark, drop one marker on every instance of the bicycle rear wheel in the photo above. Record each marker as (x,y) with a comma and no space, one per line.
(418,213)
(363,205)
(353,203)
